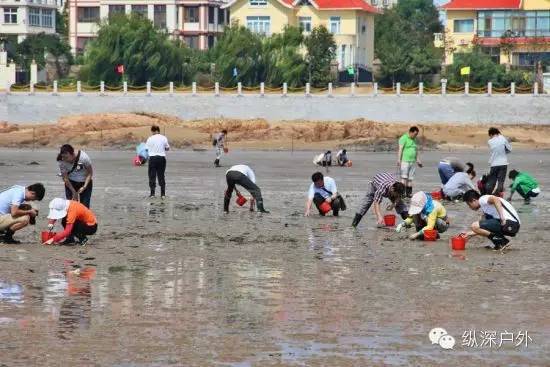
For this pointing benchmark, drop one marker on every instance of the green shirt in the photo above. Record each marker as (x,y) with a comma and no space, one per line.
(524,182)
(409,148)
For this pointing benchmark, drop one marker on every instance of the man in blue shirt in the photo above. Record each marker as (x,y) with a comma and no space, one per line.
(12,217)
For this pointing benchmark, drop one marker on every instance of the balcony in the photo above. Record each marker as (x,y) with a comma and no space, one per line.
(45,3)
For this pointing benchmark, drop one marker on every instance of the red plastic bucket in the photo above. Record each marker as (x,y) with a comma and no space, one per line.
(437,195)
(45,235)
(137,161)
(430,235)
(241,200)
(458,243)
(325,207)
(389,220)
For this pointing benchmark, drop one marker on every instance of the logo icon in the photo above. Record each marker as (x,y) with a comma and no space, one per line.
(439,336)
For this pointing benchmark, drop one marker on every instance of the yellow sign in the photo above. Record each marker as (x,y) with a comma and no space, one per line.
(465,70)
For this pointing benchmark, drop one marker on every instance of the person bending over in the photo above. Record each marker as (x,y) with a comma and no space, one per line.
(243,175)
(458,184)
(13,215)
(383,185)
(342,157)
(324,194)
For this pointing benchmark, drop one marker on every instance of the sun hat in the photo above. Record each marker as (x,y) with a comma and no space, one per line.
(417,203)
(58,208)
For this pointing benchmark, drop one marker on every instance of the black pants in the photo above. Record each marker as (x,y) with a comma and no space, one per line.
(335,204)
(85,197)
(526,195)
(80,229)
(495,180)
(157,167)
(237,178)
(368,200)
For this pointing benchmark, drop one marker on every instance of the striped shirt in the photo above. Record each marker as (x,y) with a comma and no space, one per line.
(382,183)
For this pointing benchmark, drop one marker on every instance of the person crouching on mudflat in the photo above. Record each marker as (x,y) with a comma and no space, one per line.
(426,214)
(77,220)
(324,194)
(243,175)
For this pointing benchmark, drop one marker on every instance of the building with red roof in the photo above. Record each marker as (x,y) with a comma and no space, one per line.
(515,32)
(350,21)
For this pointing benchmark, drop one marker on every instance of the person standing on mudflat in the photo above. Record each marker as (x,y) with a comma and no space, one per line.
(219,144)
(408,158)
(157,146)
(500,147)
(77,172)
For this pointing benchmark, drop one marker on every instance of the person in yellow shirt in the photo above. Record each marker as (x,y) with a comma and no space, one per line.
(425,213)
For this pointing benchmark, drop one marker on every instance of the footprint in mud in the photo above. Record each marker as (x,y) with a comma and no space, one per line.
(237,239)
(33,163)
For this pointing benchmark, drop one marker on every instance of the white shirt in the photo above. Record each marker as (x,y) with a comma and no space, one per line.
(491,210)
(245,170)
(157,145)
(499,145)
(329,184)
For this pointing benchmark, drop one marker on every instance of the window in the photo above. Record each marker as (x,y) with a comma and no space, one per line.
(88,14)
(221,16)
(374,2)
(463,25)
(305,24)
(211,15)
(514,23)
(159,19)
(116,10)
(258,2)
(10,15)
(261,25)
(191,14)
(493,52)
(192,41)
(531,58)
(47,18)
(34,17)
(81,43)
(140,10)
(211,41)
(334,25)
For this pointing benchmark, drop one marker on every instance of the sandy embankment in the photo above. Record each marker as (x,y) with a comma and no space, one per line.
(123,131)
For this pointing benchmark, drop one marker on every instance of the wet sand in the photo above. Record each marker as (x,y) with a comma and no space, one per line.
(179,283)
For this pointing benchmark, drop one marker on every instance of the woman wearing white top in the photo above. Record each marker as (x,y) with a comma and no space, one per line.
(500,147)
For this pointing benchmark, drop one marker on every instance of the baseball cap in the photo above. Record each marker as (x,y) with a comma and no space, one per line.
(58,208)
(417,203)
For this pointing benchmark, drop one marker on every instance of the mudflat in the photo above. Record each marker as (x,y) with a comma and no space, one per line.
(176,282)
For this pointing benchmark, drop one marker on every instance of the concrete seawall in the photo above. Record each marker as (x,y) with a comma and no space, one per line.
(502,109)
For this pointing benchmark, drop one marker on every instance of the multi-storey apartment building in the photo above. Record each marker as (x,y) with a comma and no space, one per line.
(20,18)
(197,22)
(513,32)
(383,4)
(350,21)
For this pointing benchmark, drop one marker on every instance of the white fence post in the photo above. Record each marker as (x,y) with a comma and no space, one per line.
(171,88)
(78,88)
(125,87)
(101,88)
(421,88)
(308,90)
(536,89)
(443,88)
(8,87)
(217,89)
(375,90)
(330,90)
(194,89)
(513,89)
(398,89)
(54,93)
(262,89)
(490,89)
(31,89)
(352,89)
(285,89)
(466,88)
(149,88)
(239,89)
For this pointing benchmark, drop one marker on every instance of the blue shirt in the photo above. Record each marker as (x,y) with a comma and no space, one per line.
(15,195)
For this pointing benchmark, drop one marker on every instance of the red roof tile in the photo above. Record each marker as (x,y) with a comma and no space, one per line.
(345,4)
(481,4)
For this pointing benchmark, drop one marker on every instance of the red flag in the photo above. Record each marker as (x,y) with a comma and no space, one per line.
(120,69)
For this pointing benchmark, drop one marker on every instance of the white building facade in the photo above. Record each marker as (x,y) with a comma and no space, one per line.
(198,23)
(20,18)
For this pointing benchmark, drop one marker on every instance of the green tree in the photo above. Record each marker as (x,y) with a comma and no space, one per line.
(62,22)
(283,61)
(239,49)
(146,53)
(404,41)
(35,46)
(321,51)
